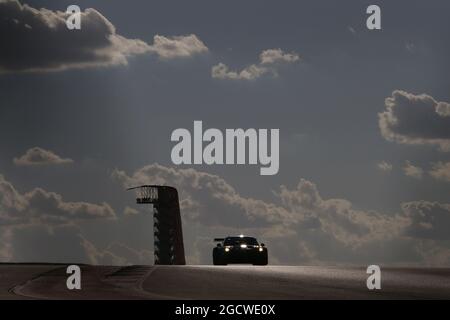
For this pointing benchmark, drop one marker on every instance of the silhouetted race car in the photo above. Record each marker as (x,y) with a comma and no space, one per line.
(239,249)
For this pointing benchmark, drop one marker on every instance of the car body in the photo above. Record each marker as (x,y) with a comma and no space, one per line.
(239,249)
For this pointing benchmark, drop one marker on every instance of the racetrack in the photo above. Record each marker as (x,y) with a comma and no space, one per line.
(40,281)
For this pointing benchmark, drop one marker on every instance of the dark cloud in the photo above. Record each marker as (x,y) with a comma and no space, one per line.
(65,244)
(115,254)
(32,221)
(39,40)
(6,248)
(429,220)
(205,196)
(416,119)
(40,207)
(441,171)
(37,156)
(300,227)
(210,199)
(42,244)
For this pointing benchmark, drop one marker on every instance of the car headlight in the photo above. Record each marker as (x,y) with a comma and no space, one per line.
(227,249)
(243,246)
(261,249)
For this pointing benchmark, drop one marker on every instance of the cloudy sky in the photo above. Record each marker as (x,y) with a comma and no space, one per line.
(364,119)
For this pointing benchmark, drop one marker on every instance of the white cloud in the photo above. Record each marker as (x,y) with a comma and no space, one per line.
(221,71)
(38,156)
(441,171)
(128,211)
(177,46)
(410,47)
(412,170)
(270,60)
(272,56)
(384,166)
(443,109)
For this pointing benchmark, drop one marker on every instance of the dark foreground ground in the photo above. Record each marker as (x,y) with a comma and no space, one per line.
(39,281)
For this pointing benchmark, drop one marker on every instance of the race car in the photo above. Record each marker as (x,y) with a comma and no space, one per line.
(239,249)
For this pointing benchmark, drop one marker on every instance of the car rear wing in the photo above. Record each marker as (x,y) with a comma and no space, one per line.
(219,239)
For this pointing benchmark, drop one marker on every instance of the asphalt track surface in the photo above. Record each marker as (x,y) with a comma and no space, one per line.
(47,281)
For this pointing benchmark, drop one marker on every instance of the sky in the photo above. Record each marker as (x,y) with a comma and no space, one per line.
(364,120)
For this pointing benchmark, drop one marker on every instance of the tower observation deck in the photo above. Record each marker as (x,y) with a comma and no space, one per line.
(168,233)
